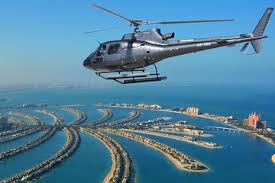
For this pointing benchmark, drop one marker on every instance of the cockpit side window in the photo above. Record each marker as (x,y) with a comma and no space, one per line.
(113,48)
(101,50)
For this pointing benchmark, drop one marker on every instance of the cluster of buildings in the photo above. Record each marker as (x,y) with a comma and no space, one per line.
(141,105)
(35,119)
(125,105)
(133,115)
(148,106)
(16,150)
(224,119)
(121,172)
(57,119)
(193,131)
(107,114)
(31,105)
(193,111)
(15,134)
(81,116)
(182,126)
(186,162)
(151,123)
(73,141)
(254,121)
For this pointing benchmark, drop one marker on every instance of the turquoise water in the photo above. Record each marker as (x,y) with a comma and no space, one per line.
(244,158)
(91,162)
(32,157)
(226,164)
(91,112)
(19,142)
(44,117)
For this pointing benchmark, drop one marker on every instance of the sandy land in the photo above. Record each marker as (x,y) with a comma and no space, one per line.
(172,159)
(165,135)
(110,174)
(269,140)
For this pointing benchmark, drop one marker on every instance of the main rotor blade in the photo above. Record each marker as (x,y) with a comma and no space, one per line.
(111,12)
(101,30)
(189,21)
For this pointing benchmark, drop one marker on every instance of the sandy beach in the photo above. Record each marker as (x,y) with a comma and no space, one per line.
(269,140)
(110,174)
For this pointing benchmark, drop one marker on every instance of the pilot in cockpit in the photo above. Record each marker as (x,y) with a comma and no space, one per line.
(101,50)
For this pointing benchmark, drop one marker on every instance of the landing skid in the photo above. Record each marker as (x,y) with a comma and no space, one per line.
(132,76)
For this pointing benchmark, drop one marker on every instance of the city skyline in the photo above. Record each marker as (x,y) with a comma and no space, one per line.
(46,44)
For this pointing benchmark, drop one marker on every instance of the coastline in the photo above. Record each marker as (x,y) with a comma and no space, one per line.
(174,161)
(164,135)
(111,172)
(268,140)
(184,133)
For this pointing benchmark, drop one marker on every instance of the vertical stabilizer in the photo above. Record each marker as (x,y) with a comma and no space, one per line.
(260,28)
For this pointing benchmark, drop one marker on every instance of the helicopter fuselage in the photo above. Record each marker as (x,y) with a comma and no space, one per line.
(139,50)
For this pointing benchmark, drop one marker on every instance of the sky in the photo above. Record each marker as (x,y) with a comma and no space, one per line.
(42,42)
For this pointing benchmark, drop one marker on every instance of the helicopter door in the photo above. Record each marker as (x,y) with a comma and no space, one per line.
(113,56)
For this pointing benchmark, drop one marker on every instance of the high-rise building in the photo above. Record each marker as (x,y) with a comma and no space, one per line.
(254,121)
(193,111)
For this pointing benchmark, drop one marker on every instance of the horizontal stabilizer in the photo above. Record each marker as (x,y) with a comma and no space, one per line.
(245,46)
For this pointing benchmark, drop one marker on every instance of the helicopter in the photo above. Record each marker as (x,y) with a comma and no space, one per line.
(125,60)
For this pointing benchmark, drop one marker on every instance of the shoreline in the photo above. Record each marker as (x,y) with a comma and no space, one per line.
(268,140)
(111,172)
(174,161)
(178,138)
(184,133)
(71,145)
(80,115)
(107,114)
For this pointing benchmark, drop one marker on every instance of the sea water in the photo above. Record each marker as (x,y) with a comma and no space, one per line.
(243,157)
